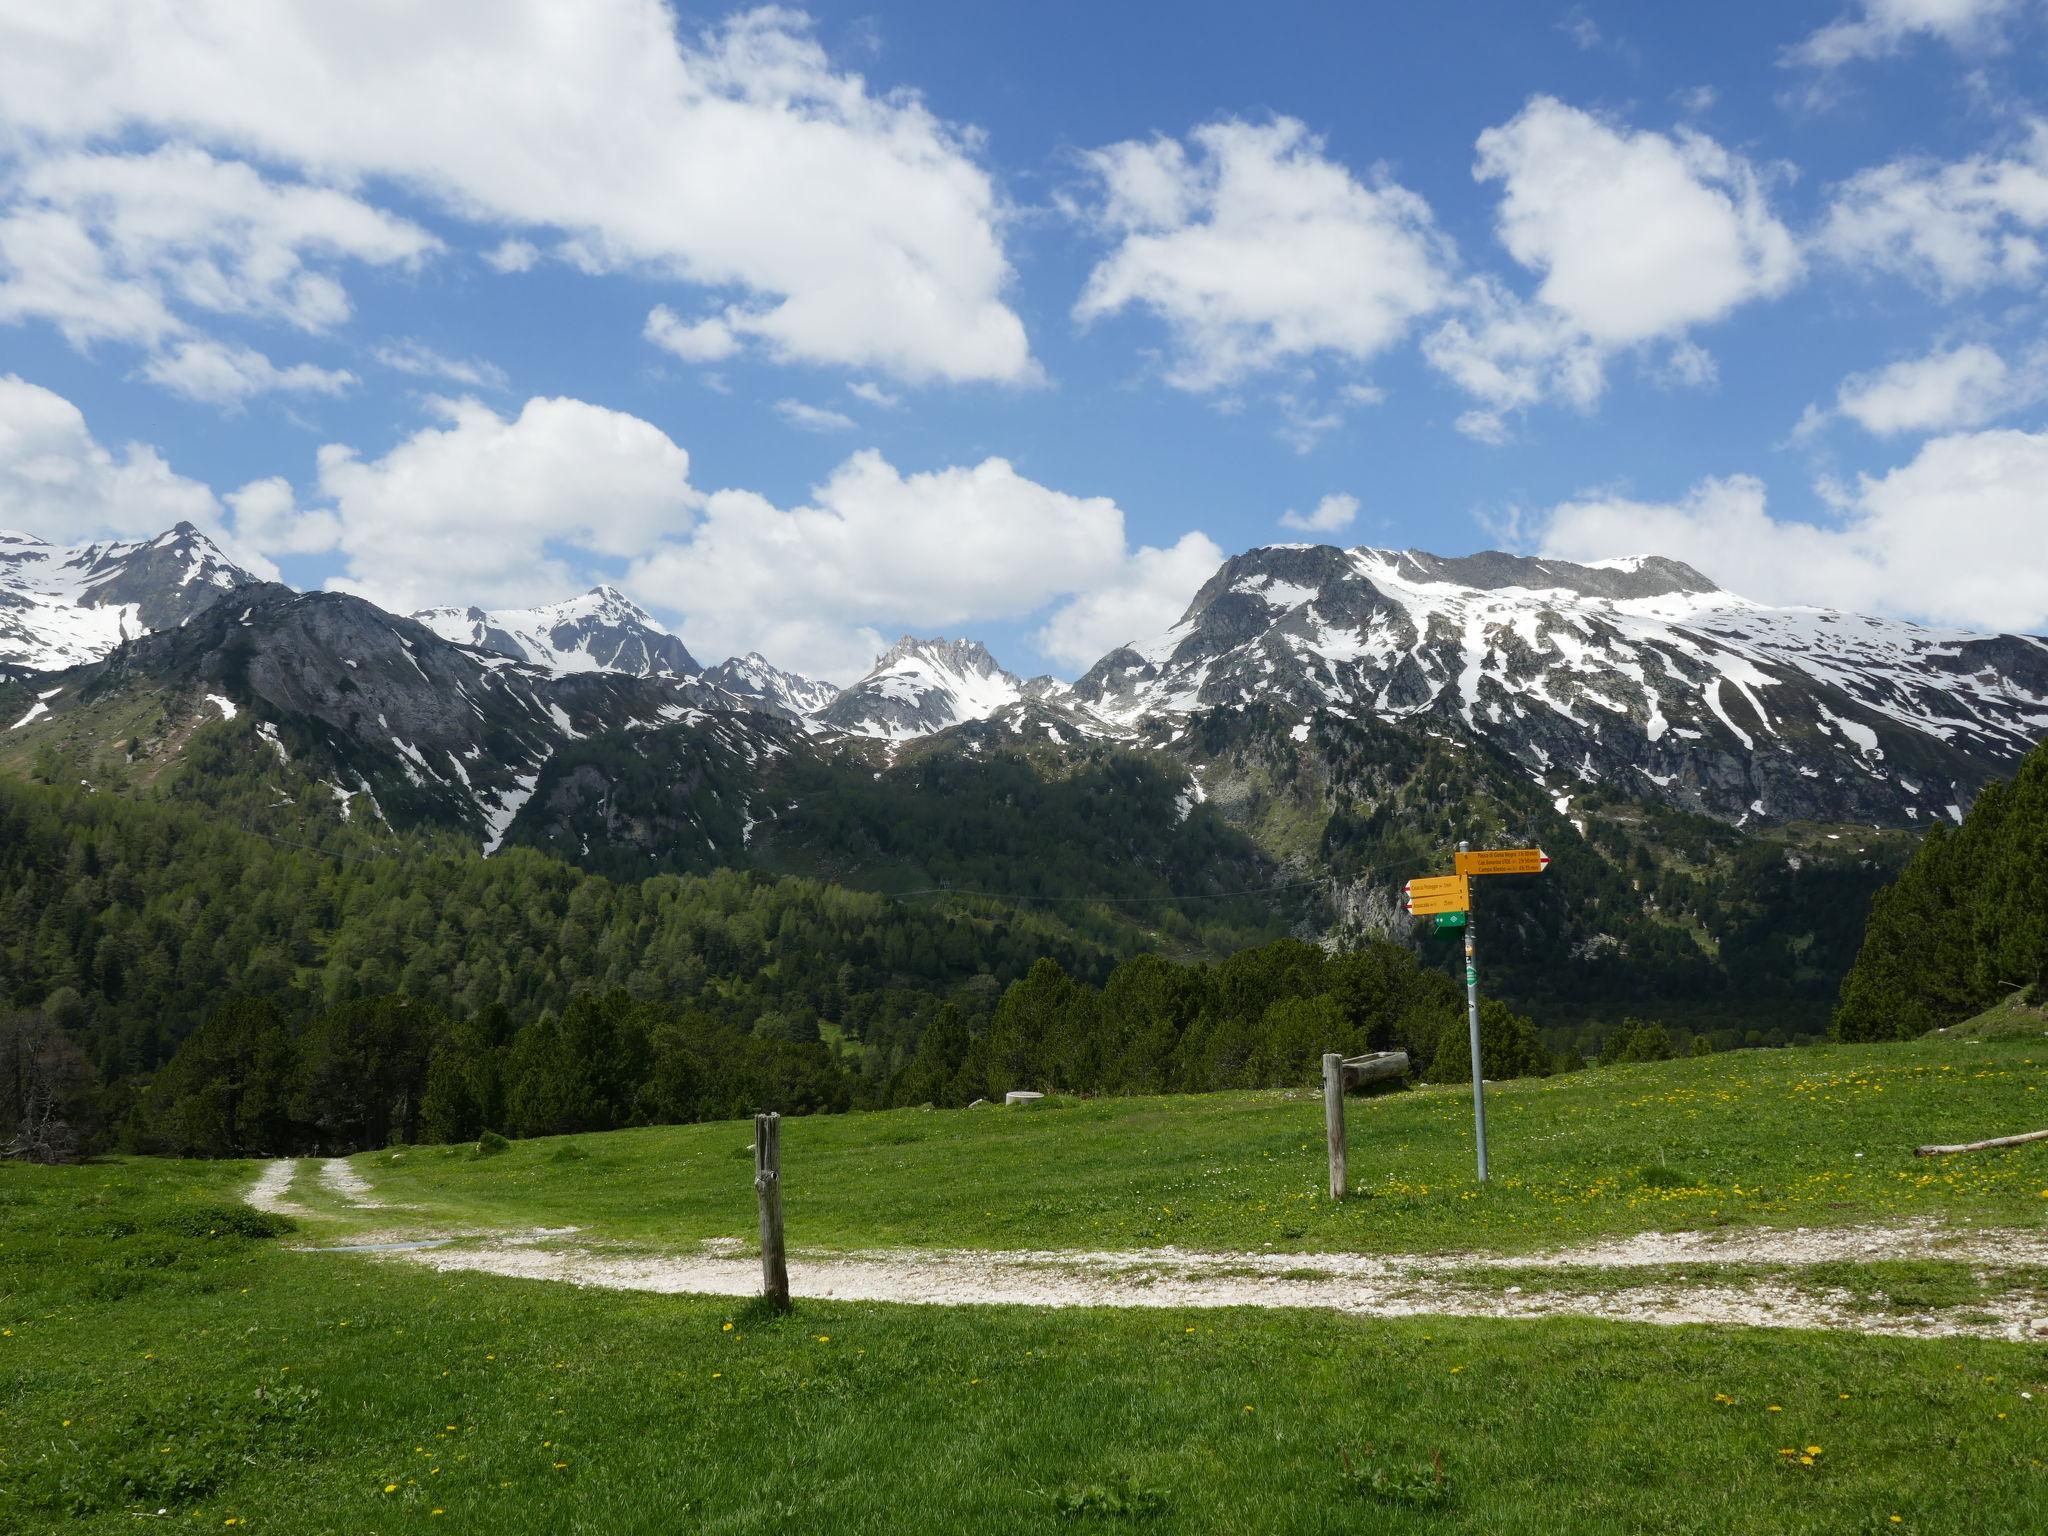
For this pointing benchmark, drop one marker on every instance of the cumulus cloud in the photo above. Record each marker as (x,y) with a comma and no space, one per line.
(1332,514)
(502,510)
(1874,28)
(127,247)
(1949,227)
(1143,596)
(512,255)
(60,482)
(813,418)
(708,340)
(1257,249)
(833,224)
(1637,237)
(1962,386)
(875,548)
(1952,537)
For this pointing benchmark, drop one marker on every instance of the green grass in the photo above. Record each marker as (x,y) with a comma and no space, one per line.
(158,1352)
(2012,1018)
(1813,1137)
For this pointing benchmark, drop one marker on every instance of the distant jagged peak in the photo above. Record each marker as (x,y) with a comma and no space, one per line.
(601,630)
(923,684)
(961,655)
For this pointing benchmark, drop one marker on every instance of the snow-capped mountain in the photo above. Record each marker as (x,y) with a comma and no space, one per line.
(1639,674)
(752,676)
(602,631)
(61,607)
(922,686)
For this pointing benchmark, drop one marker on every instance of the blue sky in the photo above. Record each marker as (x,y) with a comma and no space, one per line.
(1012,320)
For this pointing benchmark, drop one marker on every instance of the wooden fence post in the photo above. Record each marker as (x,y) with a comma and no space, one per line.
(768,1185)
(1333,1124)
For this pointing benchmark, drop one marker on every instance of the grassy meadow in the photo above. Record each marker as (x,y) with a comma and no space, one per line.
(165,1349)
(158,1352)
(1821,1136)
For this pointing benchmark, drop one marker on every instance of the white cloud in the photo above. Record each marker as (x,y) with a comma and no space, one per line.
(1330,515)
(1964,386)
(874,394)
(877,549)
(1144,598)
(1256,249)
(503,511)
(58,481)
(1952,537)
(512,255)
(708,340)
(1950,228)
(123,247)
(228,374)
(1878,27)
(834,224)
(408,354)
(268,518)
(813,418)
(1637,236)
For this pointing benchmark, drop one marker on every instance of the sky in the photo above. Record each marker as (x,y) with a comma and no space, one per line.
(809,328)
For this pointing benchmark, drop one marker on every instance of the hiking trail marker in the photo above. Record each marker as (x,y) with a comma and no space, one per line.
(1448,898)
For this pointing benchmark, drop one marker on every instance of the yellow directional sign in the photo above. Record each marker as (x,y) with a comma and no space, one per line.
(1440,893)
(1503,861)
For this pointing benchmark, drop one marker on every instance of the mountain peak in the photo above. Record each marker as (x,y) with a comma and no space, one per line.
(62,607)
(921,685)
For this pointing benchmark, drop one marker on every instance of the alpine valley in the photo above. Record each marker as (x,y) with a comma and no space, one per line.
(1721,784)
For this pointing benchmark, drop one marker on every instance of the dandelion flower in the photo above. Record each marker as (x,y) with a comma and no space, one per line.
(1813,1450)
(727,1328)
(391,1487)
(1248,1408)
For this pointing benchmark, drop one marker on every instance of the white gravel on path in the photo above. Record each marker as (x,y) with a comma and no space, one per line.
(267,1193)
(341,1179)
(1351,1283)
(1407,1285)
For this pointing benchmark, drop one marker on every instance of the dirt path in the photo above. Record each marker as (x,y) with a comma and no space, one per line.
(1372,1286)
(267,1193)
(1396,1287)
(339,1177)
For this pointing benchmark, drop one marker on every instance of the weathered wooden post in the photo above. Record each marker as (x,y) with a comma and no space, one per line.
(1333,1123)
(768,1185)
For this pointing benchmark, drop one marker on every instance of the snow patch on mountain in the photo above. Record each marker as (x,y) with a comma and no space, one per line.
(922,686)
(601,631)
(66,606)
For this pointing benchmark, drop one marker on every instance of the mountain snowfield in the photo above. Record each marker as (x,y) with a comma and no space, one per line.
(1638,675)
(62,607)
(602,631)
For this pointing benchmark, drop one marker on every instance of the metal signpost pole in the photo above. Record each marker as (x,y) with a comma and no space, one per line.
(1472,1019)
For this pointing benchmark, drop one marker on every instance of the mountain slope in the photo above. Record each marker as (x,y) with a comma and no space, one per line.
(60,607)
(921,686)
(601,631)
(1639,675)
